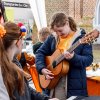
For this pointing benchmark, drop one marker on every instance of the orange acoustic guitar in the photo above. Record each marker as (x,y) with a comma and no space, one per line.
(30,68)
(58,65)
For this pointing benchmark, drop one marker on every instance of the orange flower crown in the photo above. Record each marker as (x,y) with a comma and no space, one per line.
(2,31)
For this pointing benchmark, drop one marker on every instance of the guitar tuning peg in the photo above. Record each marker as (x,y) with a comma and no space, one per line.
(86,41)
(90,39)
(92,42)
(89,43)
(95,40)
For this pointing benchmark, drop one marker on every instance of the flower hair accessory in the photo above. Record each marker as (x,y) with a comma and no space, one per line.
(22,29)
(2,31)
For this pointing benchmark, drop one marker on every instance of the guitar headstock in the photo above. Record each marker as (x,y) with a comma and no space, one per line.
(90,38)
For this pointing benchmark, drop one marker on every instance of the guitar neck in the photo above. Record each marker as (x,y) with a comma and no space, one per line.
(71,49)
(74,46)
(88,38)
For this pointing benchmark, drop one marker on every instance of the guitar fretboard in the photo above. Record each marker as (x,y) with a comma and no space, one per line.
(61,57)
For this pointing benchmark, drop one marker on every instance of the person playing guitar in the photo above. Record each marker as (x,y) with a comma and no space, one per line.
(66,69)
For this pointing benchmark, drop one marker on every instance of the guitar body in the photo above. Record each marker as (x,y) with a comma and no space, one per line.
(60,70)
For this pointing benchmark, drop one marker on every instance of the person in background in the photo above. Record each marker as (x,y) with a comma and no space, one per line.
(27,62)
(2,13)
(66,34)
(11,38)
(43,34)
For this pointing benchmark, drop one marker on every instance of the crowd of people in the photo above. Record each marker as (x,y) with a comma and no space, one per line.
(59,38)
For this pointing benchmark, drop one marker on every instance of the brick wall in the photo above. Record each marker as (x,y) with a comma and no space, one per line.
(74,9)
(81,10)
(89,9)
(53,6)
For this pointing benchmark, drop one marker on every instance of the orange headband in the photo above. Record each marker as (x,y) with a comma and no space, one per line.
(2,31)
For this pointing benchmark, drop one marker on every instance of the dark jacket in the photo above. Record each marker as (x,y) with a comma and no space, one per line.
(77,73)
(36,46)
(30,94)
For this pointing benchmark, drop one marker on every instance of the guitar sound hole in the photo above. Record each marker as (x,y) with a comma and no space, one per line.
(54,64)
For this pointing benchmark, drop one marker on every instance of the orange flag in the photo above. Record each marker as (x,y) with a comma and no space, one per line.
(35,78)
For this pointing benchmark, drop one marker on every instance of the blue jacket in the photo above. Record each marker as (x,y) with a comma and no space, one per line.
(77,73)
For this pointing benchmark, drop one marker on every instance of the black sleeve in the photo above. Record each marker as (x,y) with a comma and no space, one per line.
(22,60)
(37,95)
(36,46)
